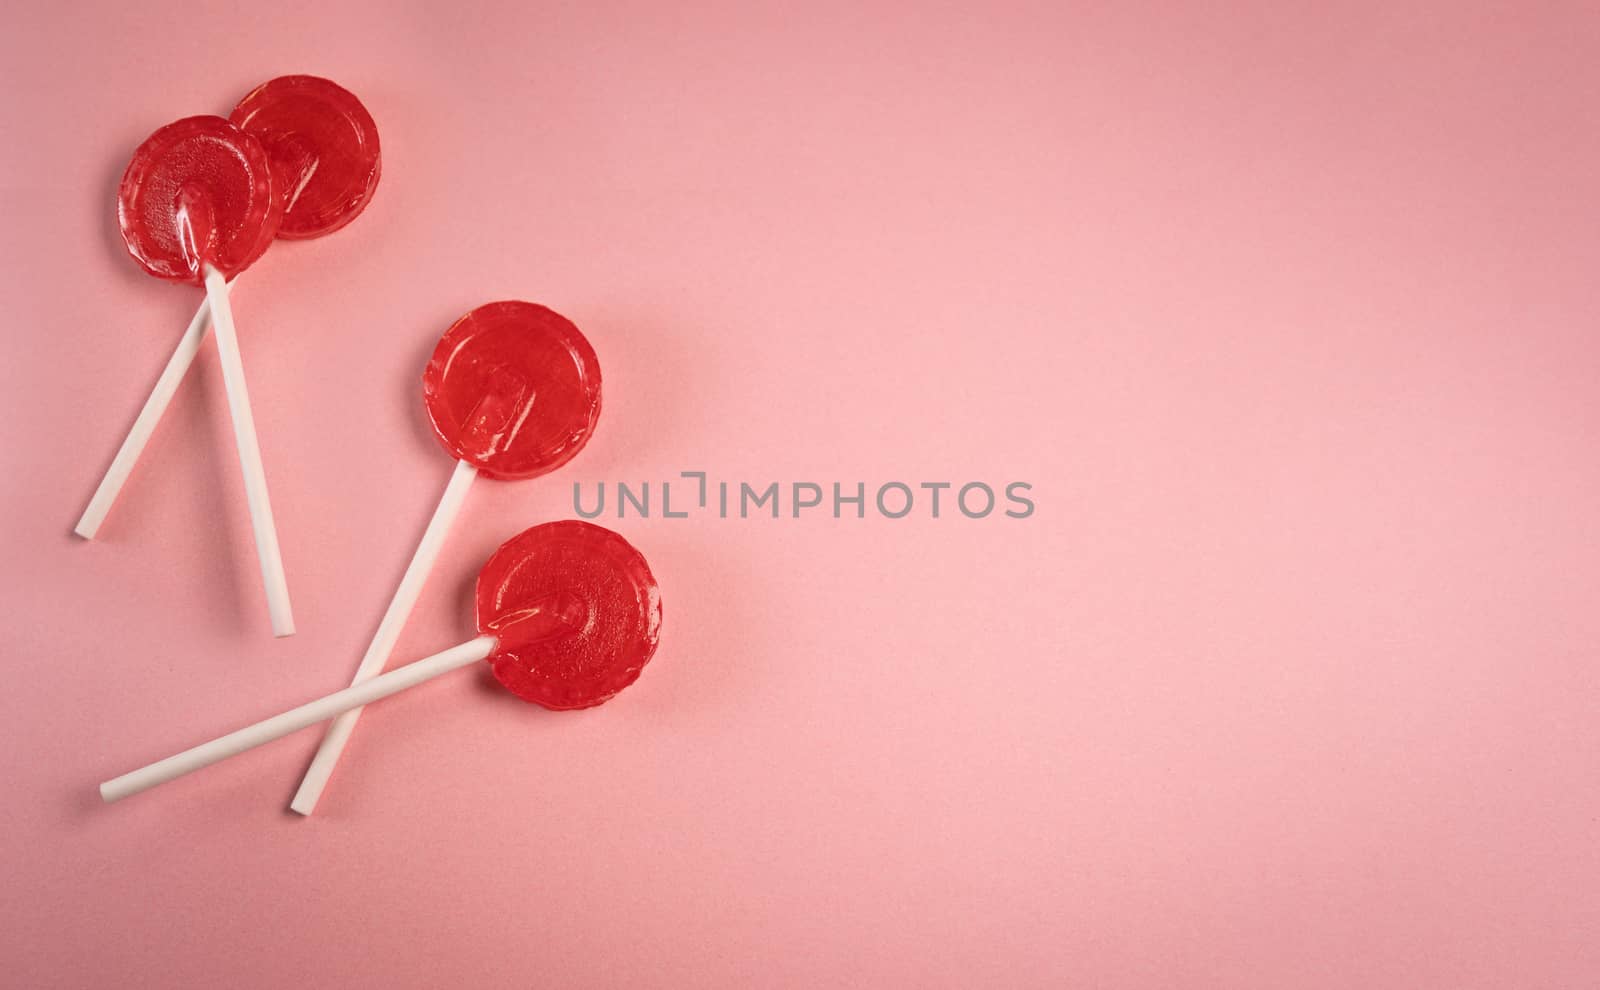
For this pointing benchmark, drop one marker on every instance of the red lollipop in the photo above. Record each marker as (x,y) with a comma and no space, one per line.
(575,612)
(323,147)
(198,203)
(513,391)
(320,148)
(569,613)
(198,192)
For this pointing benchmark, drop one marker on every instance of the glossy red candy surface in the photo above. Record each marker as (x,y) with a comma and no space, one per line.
(576,610)
(513,389)
(198,191)
(323,146)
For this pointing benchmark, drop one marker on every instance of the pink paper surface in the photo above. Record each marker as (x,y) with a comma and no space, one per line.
(1288,312)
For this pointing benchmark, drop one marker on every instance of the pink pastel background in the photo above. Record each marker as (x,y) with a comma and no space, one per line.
(1287,311)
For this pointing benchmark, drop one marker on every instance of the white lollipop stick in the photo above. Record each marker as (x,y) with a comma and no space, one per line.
(255,476)
(145,425)
(354,696)
(394,620)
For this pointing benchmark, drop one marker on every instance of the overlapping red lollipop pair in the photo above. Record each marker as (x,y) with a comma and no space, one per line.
(568,612)
(201,200)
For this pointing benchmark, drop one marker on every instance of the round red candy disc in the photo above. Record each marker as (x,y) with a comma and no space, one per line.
(576,610)
(513,389)
(198,191)
(323,146)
